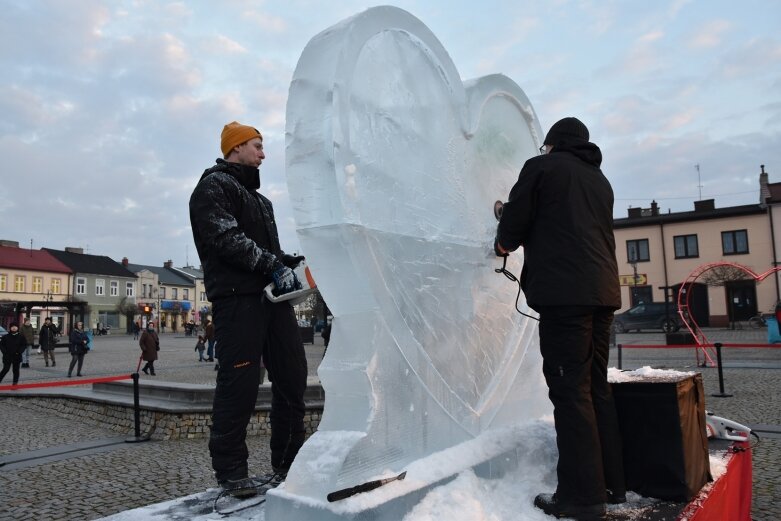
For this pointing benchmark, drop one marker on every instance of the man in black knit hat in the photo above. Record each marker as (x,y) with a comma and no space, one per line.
(561,211)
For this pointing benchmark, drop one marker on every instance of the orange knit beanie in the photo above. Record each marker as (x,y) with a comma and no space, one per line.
(234,134)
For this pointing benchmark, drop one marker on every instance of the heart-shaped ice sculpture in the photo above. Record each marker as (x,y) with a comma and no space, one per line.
(393,166)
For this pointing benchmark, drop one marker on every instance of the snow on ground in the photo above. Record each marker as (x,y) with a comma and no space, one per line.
(468,497)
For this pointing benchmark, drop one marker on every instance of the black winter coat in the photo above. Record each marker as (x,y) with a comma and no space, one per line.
(234,231)
(12,345)
(47,337)
(561,211)
(78,342)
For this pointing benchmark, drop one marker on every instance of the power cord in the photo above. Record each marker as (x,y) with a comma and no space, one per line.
(507,273)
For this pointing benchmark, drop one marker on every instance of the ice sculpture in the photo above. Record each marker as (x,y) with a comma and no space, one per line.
(393,167)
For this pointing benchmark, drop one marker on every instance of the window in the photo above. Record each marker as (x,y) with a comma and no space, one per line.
(734,242)
(56,286)
(143,291)
(203,296)
(174,293)
(81,286)
(686,246)
(19,283)
(3,282)
(130,289)
(185,294)
(162,291)
(114,288)
(637,251)
(100,287)
(37,284)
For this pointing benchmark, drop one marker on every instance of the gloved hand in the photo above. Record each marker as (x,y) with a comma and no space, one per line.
(500,252)
(291,261)
(285,281)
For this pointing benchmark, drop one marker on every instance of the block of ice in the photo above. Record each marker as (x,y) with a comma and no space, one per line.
(393,165)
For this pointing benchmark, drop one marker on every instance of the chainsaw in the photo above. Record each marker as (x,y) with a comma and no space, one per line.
(724,429)
(297,296)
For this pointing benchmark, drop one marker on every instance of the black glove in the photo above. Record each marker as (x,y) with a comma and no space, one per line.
(499,253)
(291,261)
(285,281)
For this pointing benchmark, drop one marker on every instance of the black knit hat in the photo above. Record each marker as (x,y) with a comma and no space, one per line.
(567,129)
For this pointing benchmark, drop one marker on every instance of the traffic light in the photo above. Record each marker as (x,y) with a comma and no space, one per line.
(147,309)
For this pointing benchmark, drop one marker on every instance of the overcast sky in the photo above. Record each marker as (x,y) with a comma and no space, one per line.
(111,110)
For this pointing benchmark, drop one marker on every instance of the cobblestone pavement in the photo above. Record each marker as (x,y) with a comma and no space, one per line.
(133,475)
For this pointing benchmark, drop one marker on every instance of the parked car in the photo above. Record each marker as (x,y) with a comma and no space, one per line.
(3,331)
(650,315)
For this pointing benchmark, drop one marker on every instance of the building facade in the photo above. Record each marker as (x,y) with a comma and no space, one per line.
(107,286)
(658,252)
(172,296)
(33,276)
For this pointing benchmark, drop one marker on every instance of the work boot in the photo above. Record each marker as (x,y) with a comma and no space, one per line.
(240,488)
(549,504)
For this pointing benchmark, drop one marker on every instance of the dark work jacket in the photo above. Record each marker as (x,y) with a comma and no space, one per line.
(234,231)
(12,346)
(561,211)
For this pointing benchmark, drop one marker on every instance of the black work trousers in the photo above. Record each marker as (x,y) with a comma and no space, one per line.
(574,341)
(246,328)
(7,366)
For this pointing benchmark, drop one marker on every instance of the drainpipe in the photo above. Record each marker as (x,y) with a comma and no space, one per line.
(664,252)
(773,242)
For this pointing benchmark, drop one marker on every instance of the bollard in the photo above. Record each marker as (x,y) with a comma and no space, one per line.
(619,346)
(721,393)
(136,413)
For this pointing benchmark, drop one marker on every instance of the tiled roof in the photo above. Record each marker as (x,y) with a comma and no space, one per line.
(35,260)
(91,264)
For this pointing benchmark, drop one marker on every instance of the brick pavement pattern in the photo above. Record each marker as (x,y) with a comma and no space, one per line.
(134,475)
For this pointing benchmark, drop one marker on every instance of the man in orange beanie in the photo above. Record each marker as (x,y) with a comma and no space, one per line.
(238,244)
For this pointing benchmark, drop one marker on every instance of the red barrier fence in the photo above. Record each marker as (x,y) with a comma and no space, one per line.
(63,383)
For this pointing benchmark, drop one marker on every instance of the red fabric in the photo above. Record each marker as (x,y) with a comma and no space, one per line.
(60,383)
(729,498)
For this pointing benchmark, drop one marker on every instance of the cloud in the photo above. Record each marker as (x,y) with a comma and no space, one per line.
(710,35)
(224,44)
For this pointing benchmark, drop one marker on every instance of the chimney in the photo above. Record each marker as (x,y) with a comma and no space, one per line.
(125,262)
(635,212)
(705,205)
(9,244)
(764,191)
(71,249)
(654,208)
(168,264)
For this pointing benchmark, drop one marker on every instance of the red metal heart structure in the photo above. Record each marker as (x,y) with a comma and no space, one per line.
(684,296)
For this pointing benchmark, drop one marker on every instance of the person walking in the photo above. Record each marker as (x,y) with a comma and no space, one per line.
(136,330)
(47,337)
(12,345)
(561,211)
(29,336)
(78,348)
(200,346)
(236,237)
(150,345)
(208,332)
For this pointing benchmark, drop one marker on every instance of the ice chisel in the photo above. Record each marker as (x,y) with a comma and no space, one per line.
(363,487)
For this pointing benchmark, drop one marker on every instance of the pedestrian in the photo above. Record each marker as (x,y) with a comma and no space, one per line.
(12,345)
(236,237)
(150,345)
(47,337)
(200,346)
(136,330)
(78,348)
(29,336)
(561,211)
(208,331)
